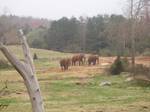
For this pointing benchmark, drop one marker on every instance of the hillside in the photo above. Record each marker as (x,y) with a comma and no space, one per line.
(17,50)
(75,90)
(43,55)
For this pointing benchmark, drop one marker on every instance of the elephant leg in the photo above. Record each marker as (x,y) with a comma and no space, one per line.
(94,63)
(97,61)
(79,63)
(67,67)
(72,63)
(62,68)
(89,63)
(82,62)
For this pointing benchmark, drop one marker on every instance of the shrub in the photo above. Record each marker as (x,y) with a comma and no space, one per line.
(142,75)
(119,65)
(142,70)
(126,64)
(35,56)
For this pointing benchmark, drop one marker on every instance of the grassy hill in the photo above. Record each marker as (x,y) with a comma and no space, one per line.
(17,50)
(46,57)
(76,90)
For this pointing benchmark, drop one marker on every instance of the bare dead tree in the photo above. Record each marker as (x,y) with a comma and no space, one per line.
(132,37)
(146,4)
(27,71)
(135,7)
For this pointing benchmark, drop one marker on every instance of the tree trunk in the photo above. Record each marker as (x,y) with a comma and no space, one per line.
(132,39)
(27,72)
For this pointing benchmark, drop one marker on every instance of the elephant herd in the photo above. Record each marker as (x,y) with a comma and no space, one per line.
(79,60)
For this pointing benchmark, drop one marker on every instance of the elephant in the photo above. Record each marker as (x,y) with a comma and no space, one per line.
(80,58)
(93,60)
(65,63)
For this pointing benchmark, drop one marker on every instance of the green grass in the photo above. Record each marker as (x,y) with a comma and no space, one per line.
(46,59)
(17,50)
(62,93)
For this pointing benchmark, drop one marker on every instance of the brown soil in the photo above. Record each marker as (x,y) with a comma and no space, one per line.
(85,70)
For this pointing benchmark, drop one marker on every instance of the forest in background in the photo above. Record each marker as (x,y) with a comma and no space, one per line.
(101,34)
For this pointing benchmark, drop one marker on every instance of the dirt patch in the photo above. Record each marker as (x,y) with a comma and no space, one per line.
(145,60)
(81,71)
(84,71)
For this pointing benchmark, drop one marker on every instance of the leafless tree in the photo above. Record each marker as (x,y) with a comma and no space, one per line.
(135,8)
(27,71)
(138,15)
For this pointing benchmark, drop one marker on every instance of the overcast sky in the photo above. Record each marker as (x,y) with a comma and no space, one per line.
(55,9)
